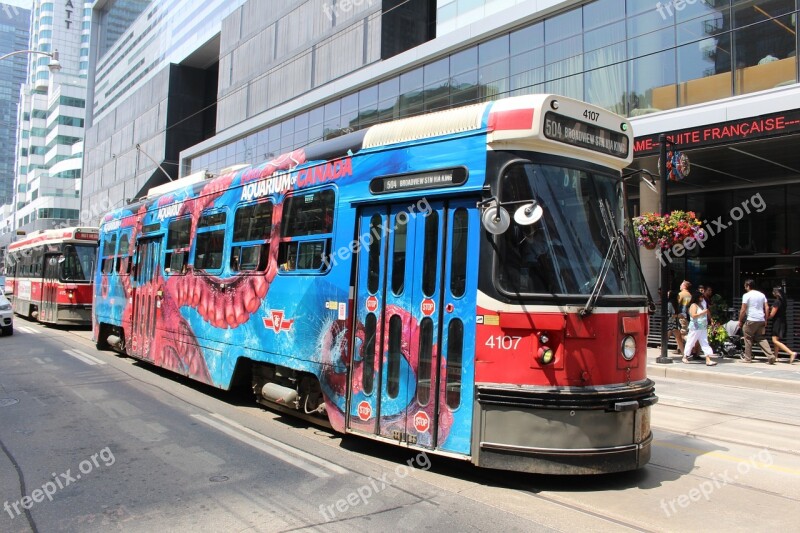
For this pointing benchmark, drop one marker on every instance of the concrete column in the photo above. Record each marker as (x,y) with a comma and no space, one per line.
(648,203)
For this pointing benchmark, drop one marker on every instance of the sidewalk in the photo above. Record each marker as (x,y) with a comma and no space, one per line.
(780,377)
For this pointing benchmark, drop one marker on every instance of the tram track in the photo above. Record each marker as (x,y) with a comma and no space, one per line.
(763,417)
(557,492)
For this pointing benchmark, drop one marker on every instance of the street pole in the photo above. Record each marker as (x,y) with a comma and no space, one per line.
(664,283)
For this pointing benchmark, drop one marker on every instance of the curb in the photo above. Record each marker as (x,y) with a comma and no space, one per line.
(722,378)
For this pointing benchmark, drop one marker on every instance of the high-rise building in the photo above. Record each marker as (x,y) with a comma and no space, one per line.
(14,32)
(257,78)
(51,117)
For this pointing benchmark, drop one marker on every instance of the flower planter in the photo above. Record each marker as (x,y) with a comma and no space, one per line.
(664,231)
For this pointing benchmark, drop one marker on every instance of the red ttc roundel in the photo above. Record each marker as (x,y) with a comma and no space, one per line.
(372,304)
(364,410)
(428,307)
(422,422)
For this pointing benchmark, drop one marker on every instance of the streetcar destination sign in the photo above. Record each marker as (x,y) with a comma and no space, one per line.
(572,131)
(451,177)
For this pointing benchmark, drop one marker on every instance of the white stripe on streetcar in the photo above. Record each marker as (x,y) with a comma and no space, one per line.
(333,467)
(266,448)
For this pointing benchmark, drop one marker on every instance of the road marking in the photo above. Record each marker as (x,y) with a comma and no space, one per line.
(26,329)
(260,442)
(85,357)
(333,467)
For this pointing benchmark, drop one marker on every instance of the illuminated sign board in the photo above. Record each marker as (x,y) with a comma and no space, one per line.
(575,132)
(724,132)
(451,177)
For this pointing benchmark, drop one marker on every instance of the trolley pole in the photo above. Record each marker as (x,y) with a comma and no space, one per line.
(664,277)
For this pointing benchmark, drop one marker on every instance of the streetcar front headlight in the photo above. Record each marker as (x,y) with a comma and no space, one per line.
(546,355)
(628,348)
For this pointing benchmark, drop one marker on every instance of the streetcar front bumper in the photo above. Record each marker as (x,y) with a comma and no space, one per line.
(74,314)
(551,430)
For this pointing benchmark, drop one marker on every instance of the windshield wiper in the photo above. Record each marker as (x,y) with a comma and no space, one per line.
(601,277)
(616,236)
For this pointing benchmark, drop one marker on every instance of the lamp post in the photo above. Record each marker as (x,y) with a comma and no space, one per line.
(664,277)
(54,65)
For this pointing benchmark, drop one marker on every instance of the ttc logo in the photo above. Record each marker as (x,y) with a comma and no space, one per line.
(277,322)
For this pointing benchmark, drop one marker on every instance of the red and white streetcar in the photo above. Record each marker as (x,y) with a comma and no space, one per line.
(49,275)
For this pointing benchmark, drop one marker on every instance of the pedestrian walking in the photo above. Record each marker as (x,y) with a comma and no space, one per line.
(698,329)
(684,299)
(777,315)
(673,326)
(753,321)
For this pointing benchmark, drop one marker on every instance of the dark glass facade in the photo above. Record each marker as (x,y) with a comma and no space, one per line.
(14,34)
(628,56)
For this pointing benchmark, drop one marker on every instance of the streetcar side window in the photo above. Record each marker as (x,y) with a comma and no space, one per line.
(123,251)
(108,251)
(431,253)
(399,257)
(395,355)
(368,355)
(455,341)
(210,243)
(307,232)
(425,361)
(458,269)
(178,239)
(38,261)
(252,229)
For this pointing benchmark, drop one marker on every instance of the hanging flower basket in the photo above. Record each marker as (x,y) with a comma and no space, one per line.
(653,230)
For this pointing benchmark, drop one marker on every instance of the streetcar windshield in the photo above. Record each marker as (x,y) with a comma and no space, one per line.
(78,262)
(563,252)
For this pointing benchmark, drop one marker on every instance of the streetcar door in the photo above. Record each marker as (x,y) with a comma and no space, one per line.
(146,299)
(409,302)
(48,311)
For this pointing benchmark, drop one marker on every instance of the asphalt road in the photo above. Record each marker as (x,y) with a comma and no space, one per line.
(99,442)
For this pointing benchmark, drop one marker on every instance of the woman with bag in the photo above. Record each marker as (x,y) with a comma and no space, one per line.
(698,329)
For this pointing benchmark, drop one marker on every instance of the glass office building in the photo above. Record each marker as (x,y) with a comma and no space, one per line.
(310,70)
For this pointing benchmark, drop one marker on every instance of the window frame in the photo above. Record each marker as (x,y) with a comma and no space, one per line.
(248,243)
(202,231)
(186,250)
(324,237)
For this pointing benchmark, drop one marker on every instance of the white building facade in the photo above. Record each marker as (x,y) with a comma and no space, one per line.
(51,118)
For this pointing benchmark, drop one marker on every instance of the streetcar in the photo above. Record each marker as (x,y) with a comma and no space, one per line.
(49,275)
(461,282)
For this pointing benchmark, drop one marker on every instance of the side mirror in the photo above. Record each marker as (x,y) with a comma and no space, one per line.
(528,214)
(496,220)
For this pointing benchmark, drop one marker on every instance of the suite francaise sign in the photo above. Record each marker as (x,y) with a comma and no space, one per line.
(724,132)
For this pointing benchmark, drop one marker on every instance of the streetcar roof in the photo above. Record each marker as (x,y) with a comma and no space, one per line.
(54,236)
(510,123)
